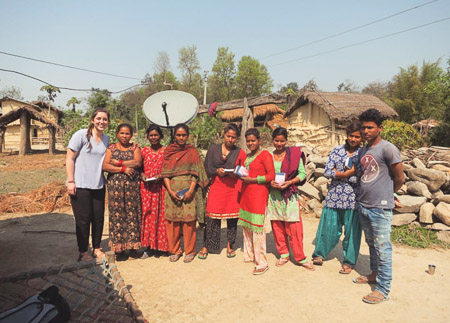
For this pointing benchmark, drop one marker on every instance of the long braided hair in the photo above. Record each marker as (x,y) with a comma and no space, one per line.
(91,124)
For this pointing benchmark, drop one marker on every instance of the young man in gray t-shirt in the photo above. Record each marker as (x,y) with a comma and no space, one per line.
(380,173)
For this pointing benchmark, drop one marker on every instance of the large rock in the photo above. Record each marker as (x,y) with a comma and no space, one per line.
(318,172)
(403,190)
(403,219)
(443,198)
(309,169)
(444,236)
(411,204)
(436,194)
(320,181)
(319,161)
(418,163)
(309,190)
(418,188)
(407,167)
(318,212)
(426,213)
(313,204)
(438,227)
(442,212)
(323,189)
(441,168)
(430,177)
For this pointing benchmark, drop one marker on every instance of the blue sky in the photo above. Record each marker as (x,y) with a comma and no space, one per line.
(124,37)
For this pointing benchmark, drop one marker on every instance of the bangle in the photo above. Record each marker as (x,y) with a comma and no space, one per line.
(70,182)
(120,163)
(122,169)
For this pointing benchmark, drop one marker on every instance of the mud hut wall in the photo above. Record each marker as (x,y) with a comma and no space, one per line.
(310,124)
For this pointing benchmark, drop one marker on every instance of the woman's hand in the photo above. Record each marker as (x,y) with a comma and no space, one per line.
(143,177)
(129,171)
(249,180)
(285,185)
(174,196)
(275,185)
(188,196)
(114,162)
(220,172)
(71,189)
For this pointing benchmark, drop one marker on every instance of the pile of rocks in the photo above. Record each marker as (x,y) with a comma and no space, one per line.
(425,196)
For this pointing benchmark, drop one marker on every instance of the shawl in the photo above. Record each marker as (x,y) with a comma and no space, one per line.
(289,166)
(214,159)
(178,161)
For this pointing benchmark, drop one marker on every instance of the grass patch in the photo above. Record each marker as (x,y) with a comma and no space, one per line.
(25,181)
(416,237)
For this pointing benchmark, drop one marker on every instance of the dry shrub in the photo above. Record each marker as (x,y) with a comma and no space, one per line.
(45,199)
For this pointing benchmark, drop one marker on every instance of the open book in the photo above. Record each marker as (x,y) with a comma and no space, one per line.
(241,171)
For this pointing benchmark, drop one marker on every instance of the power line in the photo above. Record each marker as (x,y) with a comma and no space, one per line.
(348,30)
(68,88)
(362,42)
(68,66)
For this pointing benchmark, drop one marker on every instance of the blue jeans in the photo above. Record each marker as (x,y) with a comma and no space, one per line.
(376,224)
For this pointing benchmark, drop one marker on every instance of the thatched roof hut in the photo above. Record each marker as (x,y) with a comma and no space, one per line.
(319,118)
(259,111)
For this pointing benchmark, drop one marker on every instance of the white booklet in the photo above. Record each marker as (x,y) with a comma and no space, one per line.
(228,170)
(150,179)
(241,171)
(280,178)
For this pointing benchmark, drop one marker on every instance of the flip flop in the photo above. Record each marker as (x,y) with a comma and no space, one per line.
(346,269)
(202,255)
(282,261)
(175,258)
(308,266)
(260,271)
(231,254)
(375,299)
(318,261)
(188,258)
(363,280)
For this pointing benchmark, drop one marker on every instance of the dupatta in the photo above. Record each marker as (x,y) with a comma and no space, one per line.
(214,159)
(289,166)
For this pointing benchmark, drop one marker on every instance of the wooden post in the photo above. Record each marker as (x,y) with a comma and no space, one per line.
(2,138)
(28,134)
(333,132)
(24,144)
(247,123)
(51,140)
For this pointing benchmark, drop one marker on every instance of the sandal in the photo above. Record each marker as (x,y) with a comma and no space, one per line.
(260,271)
(98,253)
(318,261)
(231,254)
(189,258)
(373,298)
(175,258)
(363,280)
(85,256)
(346,269)
(309,266)
(282,261)
(202,255)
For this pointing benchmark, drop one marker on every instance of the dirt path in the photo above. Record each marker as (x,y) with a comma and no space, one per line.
(223,290)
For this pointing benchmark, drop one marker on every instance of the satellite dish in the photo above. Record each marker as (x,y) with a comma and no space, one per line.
(168,108)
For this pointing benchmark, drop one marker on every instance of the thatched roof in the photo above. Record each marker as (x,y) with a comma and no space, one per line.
(258,111)
(46,105)
(343,106)
(274,98)
(15,114)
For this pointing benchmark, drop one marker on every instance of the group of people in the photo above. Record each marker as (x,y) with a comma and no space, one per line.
(158,194)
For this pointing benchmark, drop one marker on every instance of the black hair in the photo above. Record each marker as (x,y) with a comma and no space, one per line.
(155,127)
(182,126)
(124,125)
(233,127)
(253,132)
(372,115)
(280,132)
(352,127)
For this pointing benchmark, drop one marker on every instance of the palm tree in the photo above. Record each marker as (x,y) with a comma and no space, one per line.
(72,102)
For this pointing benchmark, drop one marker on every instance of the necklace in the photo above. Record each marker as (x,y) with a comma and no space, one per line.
(279,157)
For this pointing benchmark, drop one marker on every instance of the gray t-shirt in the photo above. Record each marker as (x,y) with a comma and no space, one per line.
(88,163)
(376,179)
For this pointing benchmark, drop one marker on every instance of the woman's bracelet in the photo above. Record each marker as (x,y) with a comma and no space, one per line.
(68,182)
(122,169)
(120,163)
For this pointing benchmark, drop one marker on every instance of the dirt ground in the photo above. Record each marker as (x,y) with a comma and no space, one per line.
(223,290)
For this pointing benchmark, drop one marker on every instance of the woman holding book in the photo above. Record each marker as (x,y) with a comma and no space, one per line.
(184,179)
(340,202)
(255,192)
(283,208)
(224,191)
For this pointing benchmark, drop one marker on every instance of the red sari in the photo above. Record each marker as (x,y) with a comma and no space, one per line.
(153,228)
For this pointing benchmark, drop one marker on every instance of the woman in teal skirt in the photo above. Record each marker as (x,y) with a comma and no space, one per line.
(339,209)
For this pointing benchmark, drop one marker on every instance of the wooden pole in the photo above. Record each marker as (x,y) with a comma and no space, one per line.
(51,140)
(2,138)
(247,123)
(23,133)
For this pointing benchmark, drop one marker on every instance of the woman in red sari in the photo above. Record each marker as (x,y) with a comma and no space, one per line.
(224,192)
(153,227)
(255,193)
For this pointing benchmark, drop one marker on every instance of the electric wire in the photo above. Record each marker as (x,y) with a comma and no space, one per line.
(68,88)
(361,42)
(68,66)
(348,30)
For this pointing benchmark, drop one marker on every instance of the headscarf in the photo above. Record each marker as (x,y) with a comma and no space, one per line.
(289,166)
(214,159)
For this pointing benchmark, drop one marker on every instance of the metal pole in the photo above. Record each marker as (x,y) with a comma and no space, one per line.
(206,86)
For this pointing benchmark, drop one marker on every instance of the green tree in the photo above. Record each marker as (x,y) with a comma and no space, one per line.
(379,89)
(163,78)
(98,99)
(291,88)
(401,134)
(189,65)
(223,72)
(51,92)
(348,86)
(72,102)
(252,78)
(408,95)
(205,130)
(11,92)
